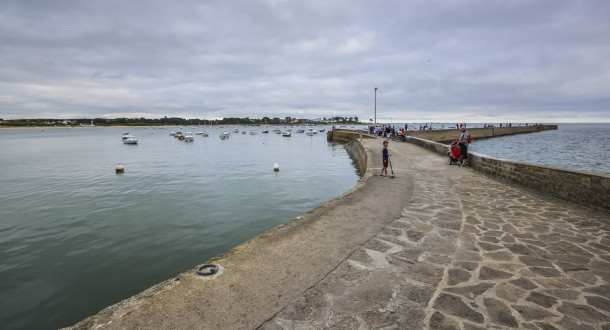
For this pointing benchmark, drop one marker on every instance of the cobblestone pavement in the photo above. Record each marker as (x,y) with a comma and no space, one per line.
(468,252)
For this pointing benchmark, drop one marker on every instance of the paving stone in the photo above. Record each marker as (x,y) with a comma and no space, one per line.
(531,312)
(563,294)
(532,261)
(546,326)
(546,272)
(499,313)
(518,249)
(377,245)
(453,305)
(467,256)
(470,266)
(494,233)
(584,277)
(566,266)
(509,292)
(508,228)
(524,283)
(508,239)
(417,293)
(472,290)
(440,321)
(573,324)
(469,326)
(412,318)
(582,312)
(599,302)
(602,290)
(457,276)
(490,247)
(541,299)
(558,283)
(573,259)
(499,256)
(486,273)
(564,247)
(414,235)
(425,273)
(529,326)
(376,320)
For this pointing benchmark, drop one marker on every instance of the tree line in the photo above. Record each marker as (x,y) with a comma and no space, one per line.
(174,121)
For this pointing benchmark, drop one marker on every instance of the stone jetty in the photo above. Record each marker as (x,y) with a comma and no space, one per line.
(436,247)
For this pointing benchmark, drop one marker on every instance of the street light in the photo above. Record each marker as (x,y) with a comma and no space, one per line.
(375,106)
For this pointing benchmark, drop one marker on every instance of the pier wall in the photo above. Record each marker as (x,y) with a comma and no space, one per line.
(447,135)
(585,188)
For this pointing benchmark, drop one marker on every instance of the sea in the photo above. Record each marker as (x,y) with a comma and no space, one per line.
(76,237)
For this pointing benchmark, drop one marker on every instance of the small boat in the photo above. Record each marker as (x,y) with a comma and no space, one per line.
(286,134)
(129,139)
(202,133)
(300,130)
(224,135)
(236,130)
(322,130)
(243,132)
(188,137)
(265,131)
(177,134)
(277,131)
(252,132)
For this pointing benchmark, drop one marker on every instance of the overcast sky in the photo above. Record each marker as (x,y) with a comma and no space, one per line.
(432,60)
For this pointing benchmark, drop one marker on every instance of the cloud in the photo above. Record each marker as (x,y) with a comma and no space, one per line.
(468,60)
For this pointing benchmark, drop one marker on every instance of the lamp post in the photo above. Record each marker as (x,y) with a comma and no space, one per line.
(375,106)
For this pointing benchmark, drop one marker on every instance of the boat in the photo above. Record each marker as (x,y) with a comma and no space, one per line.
(286,133)
(322,130)
(224,135)
(177,134)
(188,137)
(202,133)
(129,139)
(265,131)
(243,132)
(252,132)
(300,130)
(277,131)
(236,130)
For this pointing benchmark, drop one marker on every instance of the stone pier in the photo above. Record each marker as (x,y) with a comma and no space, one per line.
(436,247)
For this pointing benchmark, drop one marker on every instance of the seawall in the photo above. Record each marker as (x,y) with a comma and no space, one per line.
(585,188)
(447,135)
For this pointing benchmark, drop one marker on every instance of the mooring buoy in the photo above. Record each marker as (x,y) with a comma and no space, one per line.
(276,167)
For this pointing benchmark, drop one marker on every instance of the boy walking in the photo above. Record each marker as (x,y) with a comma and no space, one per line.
(386,158)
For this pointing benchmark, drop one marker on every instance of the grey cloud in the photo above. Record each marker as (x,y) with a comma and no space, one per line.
(465,59)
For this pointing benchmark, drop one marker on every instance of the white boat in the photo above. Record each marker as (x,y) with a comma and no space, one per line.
(277,131)
(177,134)
(236,130)
(286,133)
(224,135)
(204,134)
(188,137)
(252,132)
(129,139)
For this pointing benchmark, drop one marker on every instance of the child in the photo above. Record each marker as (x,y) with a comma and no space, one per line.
(386,158)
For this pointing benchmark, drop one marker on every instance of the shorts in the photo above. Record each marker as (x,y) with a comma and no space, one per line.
(385,163)
(464,151)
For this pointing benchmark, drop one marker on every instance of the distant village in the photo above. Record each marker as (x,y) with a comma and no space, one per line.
(175,121)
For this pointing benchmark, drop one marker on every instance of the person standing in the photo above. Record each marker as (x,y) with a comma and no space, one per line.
(463,142)
(386,159)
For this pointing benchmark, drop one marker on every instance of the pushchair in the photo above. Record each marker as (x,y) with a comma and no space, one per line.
(454,154)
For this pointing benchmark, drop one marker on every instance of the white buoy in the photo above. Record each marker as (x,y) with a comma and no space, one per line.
(119,168)
(276,167)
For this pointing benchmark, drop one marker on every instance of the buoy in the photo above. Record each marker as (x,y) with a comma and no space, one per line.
(119,168)
(276,167)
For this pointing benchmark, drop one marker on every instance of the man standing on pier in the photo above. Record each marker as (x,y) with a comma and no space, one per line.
(463,143)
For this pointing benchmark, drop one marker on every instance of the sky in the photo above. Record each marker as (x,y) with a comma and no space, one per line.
(430,60)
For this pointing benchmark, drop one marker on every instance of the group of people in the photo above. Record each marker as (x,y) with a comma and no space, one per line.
(463,141)
(386,131)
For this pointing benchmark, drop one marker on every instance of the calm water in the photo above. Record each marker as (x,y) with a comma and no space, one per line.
(584,147)
(75,237)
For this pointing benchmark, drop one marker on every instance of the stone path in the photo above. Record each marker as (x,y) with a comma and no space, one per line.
(469,252)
